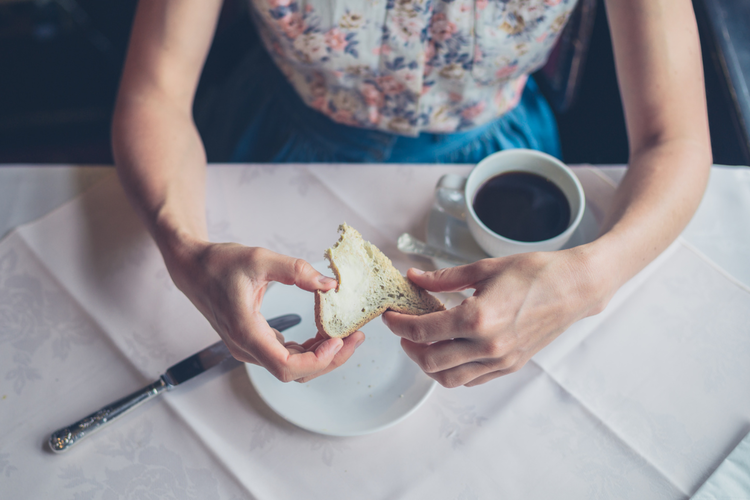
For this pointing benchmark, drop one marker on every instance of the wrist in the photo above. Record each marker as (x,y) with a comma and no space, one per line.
(180,246)
(598,277)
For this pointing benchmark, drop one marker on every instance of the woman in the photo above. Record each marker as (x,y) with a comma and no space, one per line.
(446,79)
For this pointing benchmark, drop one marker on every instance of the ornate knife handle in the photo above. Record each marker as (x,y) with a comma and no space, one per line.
(66,437)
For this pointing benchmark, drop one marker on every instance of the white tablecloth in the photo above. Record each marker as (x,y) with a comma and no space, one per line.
(642,401)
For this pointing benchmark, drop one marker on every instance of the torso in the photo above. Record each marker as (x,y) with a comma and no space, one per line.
(407,66)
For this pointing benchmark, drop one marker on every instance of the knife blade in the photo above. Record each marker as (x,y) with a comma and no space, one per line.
(215,354)
(210,357)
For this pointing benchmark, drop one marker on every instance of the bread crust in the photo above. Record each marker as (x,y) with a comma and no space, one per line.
(401,296)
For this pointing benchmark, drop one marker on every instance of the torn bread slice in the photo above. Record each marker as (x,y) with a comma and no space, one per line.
(368,286)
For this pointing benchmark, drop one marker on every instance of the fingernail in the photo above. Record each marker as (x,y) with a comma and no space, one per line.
(338,347)
(325,280)
(359,343)
(384,320)
(417,271)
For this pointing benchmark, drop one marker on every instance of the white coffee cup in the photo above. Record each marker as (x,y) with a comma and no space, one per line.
(455,195)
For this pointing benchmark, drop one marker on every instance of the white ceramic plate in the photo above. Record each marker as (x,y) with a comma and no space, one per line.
(452,235)
(376,388)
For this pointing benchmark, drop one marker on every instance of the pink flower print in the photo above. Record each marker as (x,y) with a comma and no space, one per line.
(455,97)
(429,55)
(472,112)
(515,100)
(309,8)
(408,28)
(400,125)
(320,103)
(347,100)
(520,85)
(279,3)
(542,37)
(292,25)
(452,71)
(552,3)
(383,49)
(443,121)
(351,20)
(408,77)
(506,72)
(371,95)
(478,55)
(440,28)
(318,87)
(344,116)
(482,4)
(336,40)
(312,45)
(373,115)
(499,99)
(429,52)
(389,85)
(507,96)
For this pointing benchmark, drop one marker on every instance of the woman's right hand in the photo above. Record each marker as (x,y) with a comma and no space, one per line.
(162,165)
(227,281)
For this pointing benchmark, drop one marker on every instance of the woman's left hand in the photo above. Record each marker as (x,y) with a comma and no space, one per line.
(521,303)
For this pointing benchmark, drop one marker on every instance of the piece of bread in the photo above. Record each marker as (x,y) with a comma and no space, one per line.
(368,286)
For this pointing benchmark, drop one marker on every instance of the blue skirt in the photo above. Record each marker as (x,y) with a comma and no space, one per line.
(256,116)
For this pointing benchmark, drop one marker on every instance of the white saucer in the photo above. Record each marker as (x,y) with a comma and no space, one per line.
(452,235)
(376,388)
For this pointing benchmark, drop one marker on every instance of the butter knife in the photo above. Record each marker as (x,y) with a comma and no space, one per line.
(210,357)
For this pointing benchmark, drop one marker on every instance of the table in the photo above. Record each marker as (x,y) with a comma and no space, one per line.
(642,401)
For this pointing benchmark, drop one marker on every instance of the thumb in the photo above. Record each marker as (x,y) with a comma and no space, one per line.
(450,279)
(291,271)
(327,350)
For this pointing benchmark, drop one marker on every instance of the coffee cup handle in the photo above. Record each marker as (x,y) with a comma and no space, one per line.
(449,195)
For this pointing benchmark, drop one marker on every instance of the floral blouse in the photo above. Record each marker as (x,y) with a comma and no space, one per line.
(406,66)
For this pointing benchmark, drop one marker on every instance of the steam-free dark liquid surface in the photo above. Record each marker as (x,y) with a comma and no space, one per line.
(522,206)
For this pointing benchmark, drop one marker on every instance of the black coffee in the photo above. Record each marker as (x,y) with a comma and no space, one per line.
(522,206)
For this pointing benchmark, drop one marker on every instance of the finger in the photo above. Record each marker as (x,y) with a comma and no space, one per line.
(272,355)
(295,348)
(350,345)
(310,363)
(450,279)
(239,353)
(279,336)
(487,377)
(311,344)
(291,271)
(460,375)
(440,356)
(432,327)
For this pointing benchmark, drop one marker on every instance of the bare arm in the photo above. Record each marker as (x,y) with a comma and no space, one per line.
(658,58)
(162,164)
(525,301)
(158,152)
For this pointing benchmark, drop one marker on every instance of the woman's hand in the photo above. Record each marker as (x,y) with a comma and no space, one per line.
(524,301)
(520,305)
(162,165)
(227,281)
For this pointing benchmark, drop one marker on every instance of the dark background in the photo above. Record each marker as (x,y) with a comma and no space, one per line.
(60,63)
